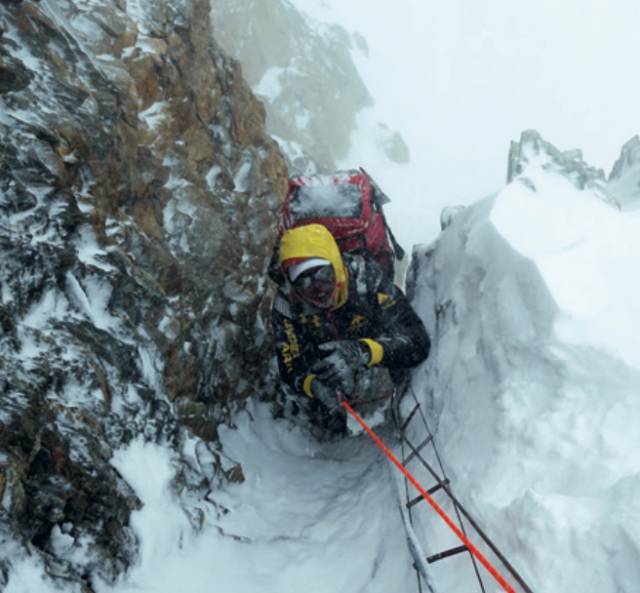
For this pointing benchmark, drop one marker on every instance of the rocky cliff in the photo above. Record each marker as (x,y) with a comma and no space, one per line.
(303,70)
(624,180)
(533,150)
(137,196)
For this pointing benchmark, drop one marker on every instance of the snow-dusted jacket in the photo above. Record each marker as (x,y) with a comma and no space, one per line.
(370,308)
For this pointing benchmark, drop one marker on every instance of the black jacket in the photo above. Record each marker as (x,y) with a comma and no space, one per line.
(376,309)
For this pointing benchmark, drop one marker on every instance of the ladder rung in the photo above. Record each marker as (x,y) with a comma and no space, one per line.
(446,554)
(409,417)
(417,449)
(431,490)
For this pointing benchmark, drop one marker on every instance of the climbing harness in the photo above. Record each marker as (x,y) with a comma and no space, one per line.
(442,483)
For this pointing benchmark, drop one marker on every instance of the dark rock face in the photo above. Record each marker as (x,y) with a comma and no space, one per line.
(629,158)
(569,163)
(624,180)
(137,199)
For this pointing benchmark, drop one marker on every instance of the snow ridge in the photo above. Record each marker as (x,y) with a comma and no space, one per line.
(534,377)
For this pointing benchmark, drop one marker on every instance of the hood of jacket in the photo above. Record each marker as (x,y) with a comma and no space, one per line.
(315,240)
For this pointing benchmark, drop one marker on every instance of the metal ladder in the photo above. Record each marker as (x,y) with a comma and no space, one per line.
(414,453)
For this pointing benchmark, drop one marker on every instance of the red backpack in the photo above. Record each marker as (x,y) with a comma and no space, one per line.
(349,204)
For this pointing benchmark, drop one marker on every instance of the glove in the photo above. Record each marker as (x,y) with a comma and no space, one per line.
(323,392)
(338,369)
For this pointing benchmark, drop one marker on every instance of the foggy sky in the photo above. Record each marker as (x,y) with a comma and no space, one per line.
(461,79)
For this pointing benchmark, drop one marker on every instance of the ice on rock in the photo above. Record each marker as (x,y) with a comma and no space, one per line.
(270,85)
(212,176)
(533,152)
(241,181)
(624,180)
(89,252)
(154,115)
(61,543)
(91,298)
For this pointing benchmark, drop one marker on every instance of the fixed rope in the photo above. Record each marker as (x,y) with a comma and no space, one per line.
(457,505)
(428,498)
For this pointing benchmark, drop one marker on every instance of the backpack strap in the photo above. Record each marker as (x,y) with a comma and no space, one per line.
(396,246)
(282,306)
(274,270)
(358,274)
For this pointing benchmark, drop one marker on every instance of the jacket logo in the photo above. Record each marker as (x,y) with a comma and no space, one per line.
(291,348)
(312,323)
(356,322)
(385,300)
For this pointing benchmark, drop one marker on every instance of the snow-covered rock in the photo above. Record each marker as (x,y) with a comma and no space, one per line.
(137,198)
(624,180)
(533,150)
(303,70)
(305,73)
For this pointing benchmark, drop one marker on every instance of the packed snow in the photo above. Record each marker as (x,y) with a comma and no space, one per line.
(310,516)
(534,377)
(315,201)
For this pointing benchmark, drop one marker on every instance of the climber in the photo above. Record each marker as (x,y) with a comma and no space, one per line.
(336,317)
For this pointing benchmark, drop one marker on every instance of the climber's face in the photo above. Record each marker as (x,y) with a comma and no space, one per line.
(317,286)
(306,248)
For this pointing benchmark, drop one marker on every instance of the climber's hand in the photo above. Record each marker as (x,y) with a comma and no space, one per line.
(338,369)
(323,392)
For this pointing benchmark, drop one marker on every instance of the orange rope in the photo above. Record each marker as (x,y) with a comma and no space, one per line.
(438,509)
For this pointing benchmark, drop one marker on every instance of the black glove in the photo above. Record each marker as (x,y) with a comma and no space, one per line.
(338,369)
(324,393)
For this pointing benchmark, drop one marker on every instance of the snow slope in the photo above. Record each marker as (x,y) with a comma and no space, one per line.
(534,379)
(310,517)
